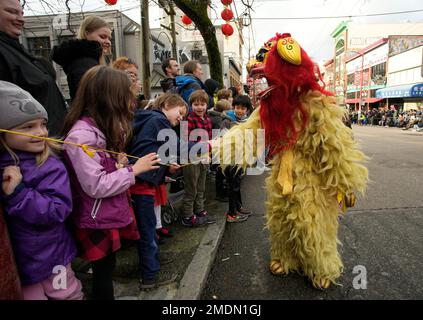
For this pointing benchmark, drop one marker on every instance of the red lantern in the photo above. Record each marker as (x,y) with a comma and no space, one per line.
(227,30)
(227,14)
(111,2)
(226,2)
(186,20)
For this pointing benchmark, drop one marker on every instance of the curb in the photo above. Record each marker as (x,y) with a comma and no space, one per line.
(195,277)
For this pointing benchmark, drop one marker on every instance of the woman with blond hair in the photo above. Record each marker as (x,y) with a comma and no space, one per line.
(78,55)
(131,68)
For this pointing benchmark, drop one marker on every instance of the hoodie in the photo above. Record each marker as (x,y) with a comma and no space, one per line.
(146,127)
(76,56)
(145,133)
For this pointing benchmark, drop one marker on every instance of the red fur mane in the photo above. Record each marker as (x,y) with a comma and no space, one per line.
(280,106)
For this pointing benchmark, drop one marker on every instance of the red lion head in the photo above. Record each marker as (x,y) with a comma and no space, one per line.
(290,74)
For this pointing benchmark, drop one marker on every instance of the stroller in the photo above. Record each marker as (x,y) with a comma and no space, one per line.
(169,213)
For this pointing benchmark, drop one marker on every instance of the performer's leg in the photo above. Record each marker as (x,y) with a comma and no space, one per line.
(316,238)
(282,259)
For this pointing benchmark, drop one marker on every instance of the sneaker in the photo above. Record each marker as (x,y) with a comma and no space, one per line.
(205,214)
(235,218)
(164,232)
(163,278)
(194,221)
(244,211)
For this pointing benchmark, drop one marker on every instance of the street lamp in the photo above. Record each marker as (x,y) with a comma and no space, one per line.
(361,78)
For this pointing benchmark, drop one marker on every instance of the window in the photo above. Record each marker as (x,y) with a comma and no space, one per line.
(39,47)
(196,54)
(340,47)
(351,95)
(62,39)
(379,74)
(350,79)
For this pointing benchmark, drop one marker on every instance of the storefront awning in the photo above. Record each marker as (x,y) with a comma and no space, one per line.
(373,100)
(405,91)
(368,100)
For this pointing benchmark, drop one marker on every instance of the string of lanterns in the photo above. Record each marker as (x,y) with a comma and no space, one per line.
(111,2)
(227,15)
(186,20)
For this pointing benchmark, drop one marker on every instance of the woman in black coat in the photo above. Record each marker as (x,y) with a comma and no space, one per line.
(30,73)
(76,56)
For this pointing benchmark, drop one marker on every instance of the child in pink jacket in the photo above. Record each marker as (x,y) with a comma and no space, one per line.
(100,118)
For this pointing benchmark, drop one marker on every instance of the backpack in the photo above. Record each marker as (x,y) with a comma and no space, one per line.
(186,85)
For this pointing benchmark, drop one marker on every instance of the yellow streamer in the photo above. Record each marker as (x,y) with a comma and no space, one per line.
(285,172)
(90,151)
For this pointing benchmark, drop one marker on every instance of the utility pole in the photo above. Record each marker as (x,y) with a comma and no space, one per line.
(145,50)
(172,30)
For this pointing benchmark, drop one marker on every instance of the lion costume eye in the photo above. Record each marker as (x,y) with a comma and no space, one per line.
(289,50)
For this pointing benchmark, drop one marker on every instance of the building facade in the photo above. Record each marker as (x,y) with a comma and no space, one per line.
(404,73)
(350,38)
(366,73)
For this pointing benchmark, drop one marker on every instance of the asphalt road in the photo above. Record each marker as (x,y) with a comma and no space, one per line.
(382,236)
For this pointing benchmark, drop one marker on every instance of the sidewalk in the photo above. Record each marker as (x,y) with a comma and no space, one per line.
(195,250)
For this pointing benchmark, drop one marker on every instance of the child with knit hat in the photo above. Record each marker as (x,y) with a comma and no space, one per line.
(37,199)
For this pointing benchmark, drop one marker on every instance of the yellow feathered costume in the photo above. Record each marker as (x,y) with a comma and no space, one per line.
(311,183)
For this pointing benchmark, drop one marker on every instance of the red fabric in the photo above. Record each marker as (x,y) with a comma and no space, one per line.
(143,188)
(94,244)
(10,287)
(160,197)
(280,106)
(196,122)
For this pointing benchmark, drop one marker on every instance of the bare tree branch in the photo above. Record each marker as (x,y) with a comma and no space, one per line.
(69,17)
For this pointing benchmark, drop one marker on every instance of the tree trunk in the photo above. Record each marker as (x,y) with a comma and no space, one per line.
(197,11)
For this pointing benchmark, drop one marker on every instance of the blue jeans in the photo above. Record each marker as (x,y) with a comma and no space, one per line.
(148,250)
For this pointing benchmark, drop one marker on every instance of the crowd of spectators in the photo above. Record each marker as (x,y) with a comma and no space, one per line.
(393,117)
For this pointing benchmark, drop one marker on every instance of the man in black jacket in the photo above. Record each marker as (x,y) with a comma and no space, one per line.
(21,68)
(171,68)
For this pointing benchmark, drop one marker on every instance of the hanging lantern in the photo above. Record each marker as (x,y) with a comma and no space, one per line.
(227,14)
(227,30)
(111,2)
(226,2)
(186,20)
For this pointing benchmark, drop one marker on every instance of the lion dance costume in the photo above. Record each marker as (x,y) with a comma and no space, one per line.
(316,164)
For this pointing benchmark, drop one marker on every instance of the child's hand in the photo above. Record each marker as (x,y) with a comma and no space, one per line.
(146,163)
(169,179)
(11,178)
(122,161)
(174,167)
